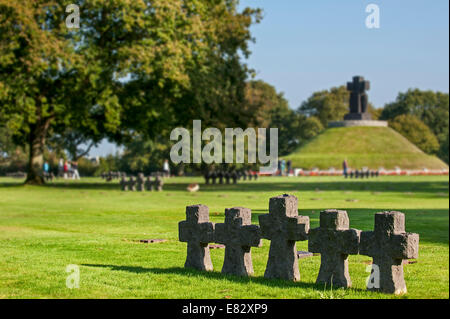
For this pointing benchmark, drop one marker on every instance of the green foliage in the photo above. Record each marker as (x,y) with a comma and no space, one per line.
(132,66)
(416,132)
(430,107)
(329,105)
(443,152)
(311,127)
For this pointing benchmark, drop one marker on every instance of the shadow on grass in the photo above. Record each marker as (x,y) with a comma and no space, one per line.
(215,276)
(437,188)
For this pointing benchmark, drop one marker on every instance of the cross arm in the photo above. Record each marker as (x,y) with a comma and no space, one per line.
(367,243)
(220,234)
(297,228)
(348,241)
(405,246)
(314,241)
(267,226)
(250,235)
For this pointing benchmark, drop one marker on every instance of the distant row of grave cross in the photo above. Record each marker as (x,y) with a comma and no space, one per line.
(389,244)
(141,183)
(228,177)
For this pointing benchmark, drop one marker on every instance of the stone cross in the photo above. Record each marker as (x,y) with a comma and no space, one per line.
(227,177)
(358,99)
(238,235)
(207,177)
(213,177)
(198,232)
(159,184)
(140,182)
(283,227)
(334,240)
(123,184)
(132,184)
(389,244)
(149,184)
(220,176)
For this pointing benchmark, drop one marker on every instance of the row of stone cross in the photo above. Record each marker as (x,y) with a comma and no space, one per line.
(141,183)
(228,177)
(362,174)
(389,244)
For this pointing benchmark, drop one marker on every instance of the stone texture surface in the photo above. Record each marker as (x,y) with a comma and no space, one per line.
(149,184)
(389,244)
(359,100)
(283,227)
(140,182)
(354,123)
(132,184)
(238,235)
(123,184)
(334,240)
(198,232)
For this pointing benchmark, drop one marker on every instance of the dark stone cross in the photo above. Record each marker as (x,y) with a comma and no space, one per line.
(140,182)
(283,227)
(149,184)
(132,184)
(238,235)
(123,184)
(358,99)
(198,232)
(334,240)
(389,244)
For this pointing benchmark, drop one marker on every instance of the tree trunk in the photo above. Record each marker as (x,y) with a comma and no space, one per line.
(36,142)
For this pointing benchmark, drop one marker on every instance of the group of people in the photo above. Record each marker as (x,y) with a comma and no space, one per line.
(66,169)
(284,168)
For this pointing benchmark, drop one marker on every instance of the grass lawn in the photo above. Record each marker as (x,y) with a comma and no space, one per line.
(94,225)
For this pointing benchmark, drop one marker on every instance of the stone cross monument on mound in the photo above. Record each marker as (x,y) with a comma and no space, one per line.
(358,100)
(359,106)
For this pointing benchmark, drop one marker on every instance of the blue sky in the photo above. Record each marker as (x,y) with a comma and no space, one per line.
(303,46)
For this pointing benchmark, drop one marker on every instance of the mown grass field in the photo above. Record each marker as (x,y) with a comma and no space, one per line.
(95,226)
(372,147)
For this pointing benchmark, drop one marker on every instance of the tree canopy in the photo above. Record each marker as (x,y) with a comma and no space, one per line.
(131,66)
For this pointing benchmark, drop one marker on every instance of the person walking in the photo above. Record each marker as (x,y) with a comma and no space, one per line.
(345,168)
(75,173)
(61,168)
(66,169)
(166,168)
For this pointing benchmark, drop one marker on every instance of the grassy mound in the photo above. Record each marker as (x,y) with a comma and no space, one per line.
(372,147)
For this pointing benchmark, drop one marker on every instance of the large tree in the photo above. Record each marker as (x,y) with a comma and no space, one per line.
(416,131)
(330,105)
(125,68)
(430,107)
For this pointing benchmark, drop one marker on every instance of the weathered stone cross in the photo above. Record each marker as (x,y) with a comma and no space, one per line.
(283,227)
(238,235)
(334,240)
(389,245)
(197,231)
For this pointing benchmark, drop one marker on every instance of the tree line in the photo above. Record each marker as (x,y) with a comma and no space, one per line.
(135,70)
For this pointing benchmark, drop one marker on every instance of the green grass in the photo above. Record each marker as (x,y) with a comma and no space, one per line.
(371,147)
(94,225)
